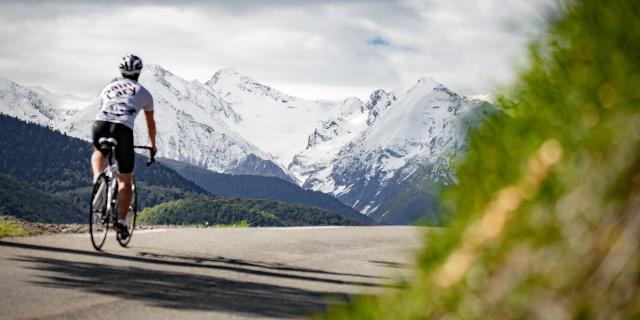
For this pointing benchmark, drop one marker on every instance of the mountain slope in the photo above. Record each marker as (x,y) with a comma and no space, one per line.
(20,199)
(332,134)
(192,124)
(275,122)
(257,187)
(36,104)
(59,165)
(414,137)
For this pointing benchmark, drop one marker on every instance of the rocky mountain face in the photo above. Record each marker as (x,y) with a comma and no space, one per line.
(385,157)
(367,156)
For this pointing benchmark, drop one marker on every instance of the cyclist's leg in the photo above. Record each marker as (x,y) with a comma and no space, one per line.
(98,158)
(98,161)
(125,157)
(125,194)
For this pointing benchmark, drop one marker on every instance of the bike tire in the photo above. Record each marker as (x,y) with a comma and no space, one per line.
(131,216)
(98,226)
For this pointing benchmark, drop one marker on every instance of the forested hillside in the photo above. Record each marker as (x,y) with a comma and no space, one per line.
(58,165)
(259,187)
(30,203)
(261,213)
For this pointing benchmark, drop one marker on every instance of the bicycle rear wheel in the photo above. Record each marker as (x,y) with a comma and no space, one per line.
(97,213)
(131,216)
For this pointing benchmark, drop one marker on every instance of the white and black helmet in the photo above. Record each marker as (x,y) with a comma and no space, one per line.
(130,65)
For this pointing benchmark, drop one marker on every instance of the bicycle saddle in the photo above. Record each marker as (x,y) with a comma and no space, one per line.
(108,142)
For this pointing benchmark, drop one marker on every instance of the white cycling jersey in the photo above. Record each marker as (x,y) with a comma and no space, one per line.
(122,99)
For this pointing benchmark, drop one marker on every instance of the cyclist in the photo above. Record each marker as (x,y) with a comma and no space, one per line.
(121,101)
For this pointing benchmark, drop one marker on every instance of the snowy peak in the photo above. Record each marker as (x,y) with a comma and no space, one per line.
(427,81)
(351,105)
(378,103)
(34,103)
(228,81)
(20,101)
(422,113)
(275,122)
(226,73)
(192,97)
(156,70)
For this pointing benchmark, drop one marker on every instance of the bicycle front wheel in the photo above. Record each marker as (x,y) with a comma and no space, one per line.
(98,213)
(131,216)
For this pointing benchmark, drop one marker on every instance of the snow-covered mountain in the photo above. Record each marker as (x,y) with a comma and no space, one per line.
(414,133)
(370,154)
(36,104)
(275,122)
(333,133)
(192,121)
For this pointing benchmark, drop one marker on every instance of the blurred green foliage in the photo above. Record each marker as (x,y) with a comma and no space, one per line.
(545,220)
(10,229)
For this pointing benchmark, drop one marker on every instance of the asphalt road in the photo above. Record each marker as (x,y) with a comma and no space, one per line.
(234,273)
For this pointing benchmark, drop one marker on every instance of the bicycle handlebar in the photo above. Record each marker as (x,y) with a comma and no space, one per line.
(151,155)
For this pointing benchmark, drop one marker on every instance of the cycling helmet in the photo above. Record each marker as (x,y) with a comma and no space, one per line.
(130,65)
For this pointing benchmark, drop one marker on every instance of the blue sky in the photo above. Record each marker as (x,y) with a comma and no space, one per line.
(378,41)
(313,49)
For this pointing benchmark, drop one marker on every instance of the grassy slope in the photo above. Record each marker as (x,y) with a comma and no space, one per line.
(544,222)
(8,229)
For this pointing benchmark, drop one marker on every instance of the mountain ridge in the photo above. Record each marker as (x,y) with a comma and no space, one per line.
(351,149)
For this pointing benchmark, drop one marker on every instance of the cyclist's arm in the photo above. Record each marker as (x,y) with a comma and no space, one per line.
(151,127)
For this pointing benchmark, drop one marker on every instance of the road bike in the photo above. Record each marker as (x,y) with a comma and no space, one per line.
(103,212)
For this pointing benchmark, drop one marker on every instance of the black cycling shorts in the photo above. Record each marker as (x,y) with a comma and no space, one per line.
(124,135)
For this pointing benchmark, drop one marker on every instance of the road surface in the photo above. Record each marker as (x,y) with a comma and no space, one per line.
(223,273)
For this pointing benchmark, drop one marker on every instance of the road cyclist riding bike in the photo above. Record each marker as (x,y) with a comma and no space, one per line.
(104,207)
(121,101)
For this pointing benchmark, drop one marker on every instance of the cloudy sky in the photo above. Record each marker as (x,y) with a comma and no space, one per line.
(314,49)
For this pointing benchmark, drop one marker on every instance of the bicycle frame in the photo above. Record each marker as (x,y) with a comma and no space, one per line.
(111,171)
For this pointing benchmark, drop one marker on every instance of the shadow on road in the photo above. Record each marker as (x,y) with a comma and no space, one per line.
(253,264)
(177,290)
(391,264)
(189,291)
(239,269)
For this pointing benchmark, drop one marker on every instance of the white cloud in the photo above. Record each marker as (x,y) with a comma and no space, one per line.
(316,49)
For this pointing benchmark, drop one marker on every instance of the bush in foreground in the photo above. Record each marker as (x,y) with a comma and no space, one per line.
(545,221)
(10,229)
